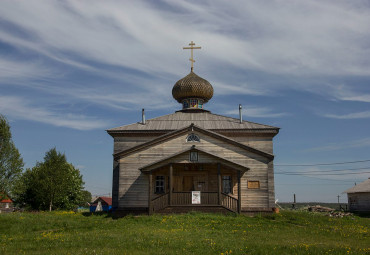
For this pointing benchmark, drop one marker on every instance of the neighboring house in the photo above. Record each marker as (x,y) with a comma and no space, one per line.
(6,205)
(101,204)
(193,159)
(359,197)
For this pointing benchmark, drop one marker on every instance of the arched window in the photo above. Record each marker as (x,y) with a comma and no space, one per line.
(193,138)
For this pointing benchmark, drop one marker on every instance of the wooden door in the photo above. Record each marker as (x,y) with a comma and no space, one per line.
(177,183)
(188,183)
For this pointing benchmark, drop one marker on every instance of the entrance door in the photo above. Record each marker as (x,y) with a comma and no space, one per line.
(188,183)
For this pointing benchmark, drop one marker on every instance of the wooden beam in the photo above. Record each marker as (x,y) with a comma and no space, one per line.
(239,194)
(150,204)
(219,183)
(171,185)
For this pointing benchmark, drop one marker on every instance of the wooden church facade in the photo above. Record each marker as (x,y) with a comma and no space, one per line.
(193,159)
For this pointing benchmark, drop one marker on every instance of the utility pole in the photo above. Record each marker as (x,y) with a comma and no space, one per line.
(294,201)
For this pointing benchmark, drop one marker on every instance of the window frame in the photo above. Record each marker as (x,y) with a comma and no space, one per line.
(229,179)
(160,184)
(193,138)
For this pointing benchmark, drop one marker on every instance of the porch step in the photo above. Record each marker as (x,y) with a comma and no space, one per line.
(186,209)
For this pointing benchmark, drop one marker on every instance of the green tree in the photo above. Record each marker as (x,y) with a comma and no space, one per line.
(11,162)
(51,184)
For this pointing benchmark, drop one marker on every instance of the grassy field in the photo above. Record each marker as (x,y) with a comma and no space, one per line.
(194,233)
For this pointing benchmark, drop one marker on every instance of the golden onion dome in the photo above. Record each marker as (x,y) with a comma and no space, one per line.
(192,86)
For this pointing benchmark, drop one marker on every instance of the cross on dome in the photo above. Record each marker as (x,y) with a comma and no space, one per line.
(191,48)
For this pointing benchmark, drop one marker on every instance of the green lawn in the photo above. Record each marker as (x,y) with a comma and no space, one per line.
(193,233)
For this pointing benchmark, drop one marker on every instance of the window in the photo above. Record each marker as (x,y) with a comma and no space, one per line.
(226,184)
(185,104)
(193,103)
(159,184)
(193,156)
(253,184)
(193,138)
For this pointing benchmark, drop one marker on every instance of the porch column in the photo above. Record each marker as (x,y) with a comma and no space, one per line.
(171,185)
(239,194)
(219,183)
(150,205)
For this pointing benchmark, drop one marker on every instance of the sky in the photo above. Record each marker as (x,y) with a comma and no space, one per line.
(69,70)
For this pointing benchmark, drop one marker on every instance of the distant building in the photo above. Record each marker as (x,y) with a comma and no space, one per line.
(101,204)
(6,205)
(359,197)
(193,159)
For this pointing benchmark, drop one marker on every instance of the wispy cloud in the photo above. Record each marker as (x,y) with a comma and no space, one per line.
(354,115)
(360,143)
(258,112)
(19,108)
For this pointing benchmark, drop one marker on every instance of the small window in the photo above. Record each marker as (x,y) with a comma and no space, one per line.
(159,184)
(193,103)
(253,184)
(193,138)
(226,184)
(193,156)
(185,104)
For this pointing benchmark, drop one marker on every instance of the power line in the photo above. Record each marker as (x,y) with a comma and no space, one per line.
(322,174)
(323,171)
(326,164)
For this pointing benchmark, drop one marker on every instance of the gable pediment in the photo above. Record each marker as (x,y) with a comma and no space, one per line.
(177,139)
(183,156)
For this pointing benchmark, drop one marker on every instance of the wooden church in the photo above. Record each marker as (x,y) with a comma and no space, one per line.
(193,159)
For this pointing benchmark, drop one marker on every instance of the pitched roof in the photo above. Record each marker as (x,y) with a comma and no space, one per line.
(149,166)
(185,129)
(6,201)
(361,187)
(204,120)
(107,200)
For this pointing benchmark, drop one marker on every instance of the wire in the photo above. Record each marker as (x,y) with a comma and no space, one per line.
(322,174)
(323,171)
(327,164)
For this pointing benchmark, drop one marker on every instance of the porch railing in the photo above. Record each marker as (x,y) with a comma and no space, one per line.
(229,202)
(184,198)
(160,202)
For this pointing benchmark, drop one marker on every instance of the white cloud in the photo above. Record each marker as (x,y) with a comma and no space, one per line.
(19,108)
(310,37)
(259,112)
(360,143)
(354,115)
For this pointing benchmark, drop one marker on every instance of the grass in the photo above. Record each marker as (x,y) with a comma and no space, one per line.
(194,233)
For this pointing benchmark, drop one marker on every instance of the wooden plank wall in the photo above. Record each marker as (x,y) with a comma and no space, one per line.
(133,185)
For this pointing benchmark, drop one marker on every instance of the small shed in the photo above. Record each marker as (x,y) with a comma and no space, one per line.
(6,205)
(101,204)
(359,197)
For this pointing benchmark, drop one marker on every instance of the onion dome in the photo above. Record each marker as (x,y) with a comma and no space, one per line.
(192,91)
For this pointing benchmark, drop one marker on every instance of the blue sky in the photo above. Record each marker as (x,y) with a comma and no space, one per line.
(69,70)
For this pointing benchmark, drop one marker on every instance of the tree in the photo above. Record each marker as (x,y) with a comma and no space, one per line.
(11,162)
(51,184)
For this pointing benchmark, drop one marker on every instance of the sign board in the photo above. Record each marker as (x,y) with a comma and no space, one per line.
(195,197)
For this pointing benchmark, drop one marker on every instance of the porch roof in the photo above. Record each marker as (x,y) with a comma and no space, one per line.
(172,159)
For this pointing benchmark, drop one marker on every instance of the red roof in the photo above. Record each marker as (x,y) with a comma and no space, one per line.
(107,200)
(8,201)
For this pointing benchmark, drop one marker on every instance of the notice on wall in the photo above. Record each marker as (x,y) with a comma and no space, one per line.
(195,197)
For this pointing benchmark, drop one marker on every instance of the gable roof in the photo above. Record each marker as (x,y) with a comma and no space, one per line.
(191,148)
(361,187)
(205,120)
(107,200)
(191,127)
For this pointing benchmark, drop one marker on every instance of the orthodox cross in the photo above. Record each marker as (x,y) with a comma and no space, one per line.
(191,44)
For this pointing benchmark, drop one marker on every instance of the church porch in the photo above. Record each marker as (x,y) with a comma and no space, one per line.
(172,188)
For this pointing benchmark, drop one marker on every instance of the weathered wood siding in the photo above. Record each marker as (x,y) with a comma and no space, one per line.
(133,185)
(359,202)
